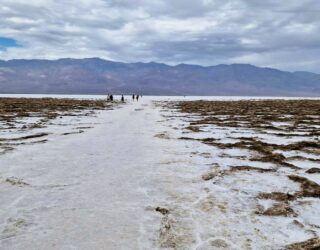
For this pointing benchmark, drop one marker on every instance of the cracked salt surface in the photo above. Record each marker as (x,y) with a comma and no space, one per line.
(100,189)
(227,210)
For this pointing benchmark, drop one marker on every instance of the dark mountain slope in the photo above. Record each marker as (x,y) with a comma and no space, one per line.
(98,76)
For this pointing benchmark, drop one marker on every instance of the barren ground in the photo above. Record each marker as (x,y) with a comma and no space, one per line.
(159,174)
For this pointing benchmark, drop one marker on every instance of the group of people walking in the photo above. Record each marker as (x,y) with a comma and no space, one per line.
(110,98)
(134,97)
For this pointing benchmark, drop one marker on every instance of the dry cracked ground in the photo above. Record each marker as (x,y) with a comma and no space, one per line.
(246,176)
(260,176)
(24,121)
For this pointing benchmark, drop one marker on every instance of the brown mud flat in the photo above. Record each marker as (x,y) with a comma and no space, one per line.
(313,171)
(280,134)
(311,244)
(278,209)
(295,114)
(293,118)
(13,108)
(277,196)
(266,150)
(25,115)
(282,119)
(234,169)
(38,135)
(282,207)
(308,188)
(16,181)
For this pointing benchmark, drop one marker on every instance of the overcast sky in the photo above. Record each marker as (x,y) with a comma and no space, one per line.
(273,33)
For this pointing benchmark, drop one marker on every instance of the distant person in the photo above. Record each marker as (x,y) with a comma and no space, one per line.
(133,97)
(111,98)
(137,97)
(122,98)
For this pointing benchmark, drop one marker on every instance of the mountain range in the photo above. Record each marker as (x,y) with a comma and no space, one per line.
(98,76)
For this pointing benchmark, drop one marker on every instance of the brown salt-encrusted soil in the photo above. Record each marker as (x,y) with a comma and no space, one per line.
(27,121)
(282,133)
(257,114)
(311,244)
(23,120)
(233,200)
(12,108)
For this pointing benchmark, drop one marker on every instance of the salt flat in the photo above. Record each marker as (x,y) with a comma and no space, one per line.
(129,182)
(85,191)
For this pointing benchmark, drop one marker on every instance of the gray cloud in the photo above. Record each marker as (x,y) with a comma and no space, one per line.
(273,33)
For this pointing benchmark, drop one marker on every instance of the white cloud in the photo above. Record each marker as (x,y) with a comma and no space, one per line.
(284,34)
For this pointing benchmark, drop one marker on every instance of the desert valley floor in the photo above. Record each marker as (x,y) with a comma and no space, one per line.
(161,173)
